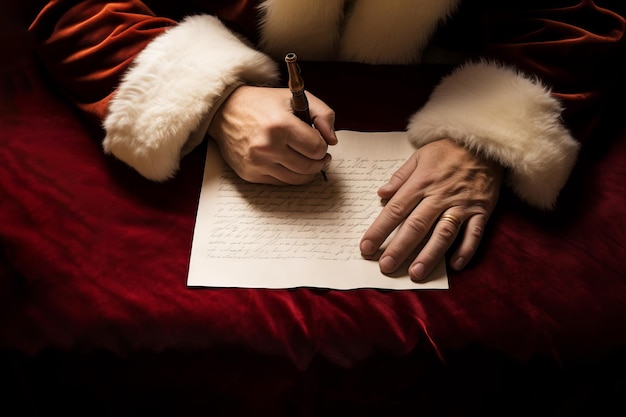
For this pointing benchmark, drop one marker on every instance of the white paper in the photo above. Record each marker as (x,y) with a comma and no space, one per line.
(264,236)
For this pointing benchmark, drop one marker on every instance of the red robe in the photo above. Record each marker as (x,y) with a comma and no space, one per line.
(516,67)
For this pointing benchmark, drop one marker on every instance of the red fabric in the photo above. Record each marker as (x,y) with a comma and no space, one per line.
(87,46)
(102,255)
(574,46)
(94,262)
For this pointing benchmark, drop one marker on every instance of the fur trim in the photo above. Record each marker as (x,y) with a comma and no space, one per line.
(309,28)
(391,31)
(505,116)
(174,84)
(369,31)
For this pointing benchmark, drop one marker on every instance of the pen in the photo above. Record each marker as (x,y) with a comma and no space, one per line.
(299,102)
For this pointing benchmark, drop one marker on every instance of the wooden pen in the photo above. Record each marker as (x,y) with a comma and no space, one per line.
(299,102)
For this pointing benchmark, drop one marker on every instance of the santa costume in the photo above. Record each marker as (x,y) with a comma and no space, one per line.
(154,75)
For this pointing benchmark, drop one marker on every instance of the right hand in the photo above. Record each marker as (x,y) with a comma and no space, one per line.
(264,142)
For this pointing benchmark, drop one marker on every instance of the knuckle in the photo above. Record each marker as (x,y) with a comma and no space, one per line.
(416,225)
(254,156)
(395,209)
(320,148)
(468,250)
(475,232)
(326,112)
(447,230)
(397,177)
(259,144)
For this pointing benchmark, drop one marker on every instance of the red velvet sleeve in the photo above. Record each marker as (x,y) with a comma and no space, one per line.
(577,47)
(87,46)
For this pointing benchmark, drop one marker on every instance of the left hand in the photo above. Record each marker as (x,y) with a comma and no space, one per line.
(442,188)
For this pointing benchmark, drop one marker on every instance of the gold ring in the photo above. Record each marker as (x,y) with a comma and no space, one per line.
(452,219)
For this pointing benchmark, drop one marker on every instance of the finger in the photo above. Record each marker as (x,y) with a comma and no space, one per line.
(282,176)
(393,213)
(444,233)
(296,169)
(307,141)
(398,179)
(413,231)
(268,179)
(267,170)
(289,167)
(471,237)
(323,119)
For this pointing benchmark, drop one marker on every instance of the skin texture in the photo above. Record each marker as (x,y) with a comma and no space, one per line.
(439,179)
(264,142)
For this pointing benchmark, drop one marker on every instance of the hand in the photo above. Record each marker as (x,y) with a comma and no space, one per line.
(264,142)
(442,191)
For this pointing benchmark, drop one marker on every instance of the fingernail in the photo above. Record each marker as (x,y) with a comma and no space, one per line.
(387,264)
(418,272)
(367,247)
(459,263)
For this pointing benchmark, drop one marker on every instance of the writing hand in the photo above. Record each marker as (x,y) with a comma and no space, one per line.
(441,193)
(264,142)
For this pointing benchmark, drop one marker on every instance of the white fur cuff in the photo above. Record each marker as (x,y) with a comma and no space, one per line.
(507,117)
(172,87)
